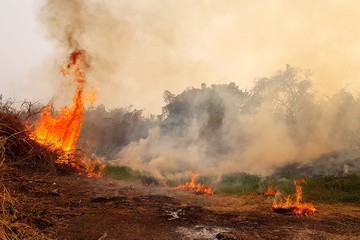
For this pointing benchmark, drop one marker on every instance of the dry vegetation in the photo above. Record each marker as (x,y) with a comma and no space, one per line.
(20,157)
(37,202)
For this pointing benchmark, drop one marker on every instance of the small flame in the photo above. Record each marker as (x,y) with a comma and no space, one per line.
(61,132)
(196,187)
(286,205)
(270,191)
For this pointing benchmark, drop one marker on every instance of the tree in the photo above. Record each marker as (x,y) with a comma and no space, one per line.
(285,94)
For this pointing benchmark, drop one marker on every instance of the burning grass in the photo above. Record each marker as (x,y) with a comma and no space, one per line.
(198,188)
(270,192)
(48,148)
(330,189)
(287,206)
(19,150)
(60,132)
(22,158)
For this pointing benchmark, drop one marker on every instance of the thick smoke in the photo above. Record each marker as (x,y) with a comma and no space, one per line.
(281,125)
(222,129)
(140,48)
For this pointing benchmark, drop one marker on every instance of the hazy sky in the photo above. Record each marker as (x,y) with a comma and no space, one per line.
(141,48)
(22,49)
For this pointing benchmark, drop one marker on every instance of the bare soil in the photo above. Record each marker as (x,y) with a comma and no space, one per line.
(68,207)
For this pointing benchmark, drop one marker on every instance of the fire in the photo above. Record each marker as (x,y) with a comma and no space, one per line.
(60,132)
(297,207)
(270,191)
(196,187)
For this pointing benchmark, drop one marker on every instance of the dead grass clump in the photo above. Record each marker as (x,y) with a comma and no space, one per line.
(17,149)
(18,154)
(10,227)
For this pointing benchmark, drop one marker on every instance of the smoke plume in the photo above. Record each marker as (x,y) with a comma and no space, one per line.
(141,48)
(280,125)
(222,129)
(138,49)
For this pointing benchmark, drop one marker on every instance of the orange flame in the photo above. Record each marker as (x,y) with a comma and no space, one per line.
(62,131)
(196,187)
(296,208)
(270,191)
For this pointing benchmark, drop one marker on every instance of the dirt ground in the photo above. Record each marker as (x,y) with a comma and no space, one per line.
(65,207)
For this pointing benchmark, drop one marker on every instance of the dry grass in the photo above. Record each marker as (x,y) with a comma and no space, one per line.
(19,150)
(18,154)
(21,159)
(10,227)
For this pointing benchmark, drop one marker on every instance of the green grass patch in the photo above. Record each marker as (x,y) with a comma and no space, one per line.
(243,183)
(344,189)
(238,183)
(331,189)
(127,174)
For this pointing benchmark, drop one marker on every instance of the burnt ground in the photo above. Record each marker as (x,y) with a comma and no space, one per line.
(65,207)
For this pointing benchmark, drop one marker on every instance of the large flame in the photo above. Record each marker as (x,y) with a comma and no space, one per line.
(196,187)
(60,132)
(286,205)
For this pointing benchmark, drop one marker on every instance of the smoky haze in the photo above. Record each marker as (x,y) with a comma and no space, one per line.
(280,125)
(141,48)
(231,123)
